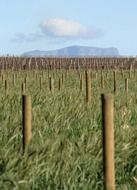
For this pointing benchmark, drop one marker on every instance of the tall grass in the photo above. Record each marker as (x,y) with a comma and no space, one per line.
(66,148)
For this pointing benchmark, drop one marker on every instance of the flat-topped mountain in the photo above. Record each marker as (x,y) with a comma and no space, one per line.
(75,51)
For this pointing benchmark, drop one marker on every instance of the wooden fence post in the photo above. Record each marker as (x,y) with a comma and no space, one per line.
(102,81)
(62,77)
(51,84)
(27,117)
(6,86)
(88,87)
(23,88)
(126,85)
(108,142)
(60,84)
(115,81)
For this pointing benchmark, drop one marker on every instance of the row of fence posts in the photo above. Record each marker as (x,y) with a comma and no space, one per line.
(63,63)
(61,80)
(88,84)
(107,132)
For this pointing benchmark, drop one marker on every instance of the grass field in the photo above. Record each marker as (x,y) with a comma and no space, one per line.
(66,149)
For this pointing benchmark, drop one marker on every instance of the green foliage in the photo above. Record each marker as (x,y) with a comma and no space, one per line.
(66,149)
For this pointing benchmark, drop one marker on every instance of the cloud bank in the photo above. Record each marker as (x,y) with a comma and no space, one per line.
(62,28)
(59,29)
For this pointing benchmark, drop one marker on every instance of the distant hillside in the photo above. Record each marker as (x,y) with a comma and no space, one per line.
(75,51)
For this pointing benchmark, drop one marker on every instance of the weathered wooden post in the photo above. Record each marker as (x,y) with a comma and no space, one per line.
(115,81)
(122,73)
(115,86)
(126,85)
(62,77)
(60,84)
(88,86)
(114,75)
(51,84)
(108,141)
(102,81)
(27,117)
(23,88)
(6,86)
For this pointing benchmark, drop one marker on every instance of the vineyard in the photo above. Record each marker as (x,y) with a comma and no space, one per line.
(63,147)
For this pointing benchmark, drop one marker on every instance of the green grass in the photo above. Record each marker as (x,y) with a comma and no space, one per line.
(66,149)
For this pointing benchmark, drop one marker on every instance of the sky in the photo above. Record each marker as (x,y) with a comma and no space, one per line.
(27,25)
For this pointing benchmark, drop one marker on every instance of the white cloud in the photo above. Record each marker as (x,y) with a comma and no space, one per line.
(61,28)
(58,30)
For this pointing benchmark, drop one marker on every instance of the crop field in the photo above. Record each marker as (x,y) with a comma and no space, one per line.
(66,149)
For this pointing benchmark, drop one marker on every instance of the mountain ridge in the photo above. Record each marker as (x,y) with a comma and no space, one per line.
(74,51)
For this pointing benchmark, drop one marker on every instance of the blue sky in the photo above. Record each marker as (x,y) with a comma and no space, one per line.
(50,24)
